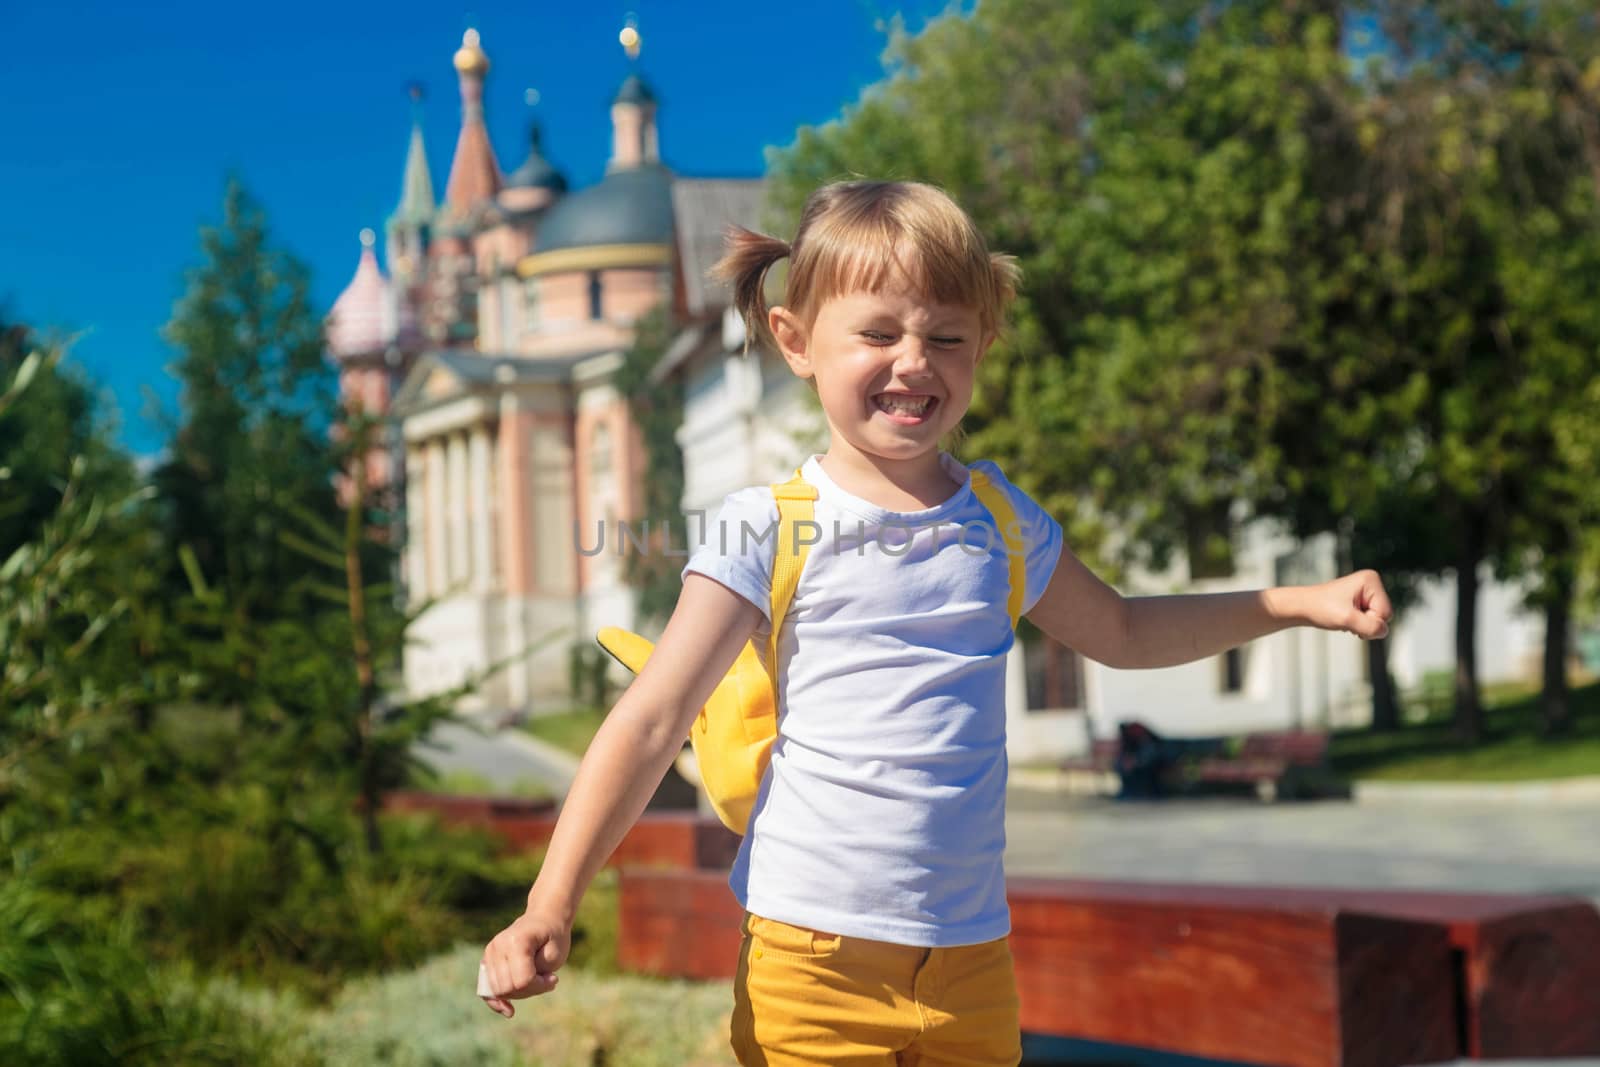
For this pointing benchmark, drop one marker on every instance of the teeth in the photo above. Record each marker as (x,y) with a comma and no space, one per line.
(900,405)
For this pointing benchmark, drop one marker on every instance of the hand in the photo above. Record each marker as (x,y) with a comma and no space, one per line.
(522,960)
(1356,603)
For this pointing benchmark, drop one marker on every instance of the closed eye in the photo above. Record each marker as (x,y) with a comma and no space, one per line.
(876,337)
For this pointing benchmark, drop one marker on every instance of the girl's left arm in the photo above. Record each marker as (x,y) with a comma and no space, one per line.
(1089,616)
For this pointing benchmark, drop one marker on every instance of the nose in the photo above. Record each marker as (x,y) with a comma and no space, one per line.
(911,358)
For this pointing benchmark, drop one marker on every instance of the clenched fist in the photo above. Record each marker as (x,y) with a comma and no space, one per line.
(522,960)
(1356,603)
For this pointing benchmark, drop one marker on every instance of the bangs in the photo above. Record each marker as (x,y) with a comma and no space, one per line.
(899,232)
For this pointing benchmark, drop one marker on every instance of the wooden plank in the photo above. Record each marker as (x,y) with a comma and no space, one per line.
(1204,971)
(1533,982)
(1527,965)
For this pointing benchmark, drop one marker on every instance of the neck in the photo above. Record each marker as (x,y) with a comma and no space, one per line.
(904,484)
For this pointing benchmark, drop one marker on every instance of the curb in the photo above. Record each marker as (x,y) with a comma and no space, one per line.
(564,762)
(1556,791)
(1064,783)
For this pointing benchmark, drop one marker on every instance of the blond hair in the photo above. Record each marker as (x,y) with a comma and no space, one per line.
(857,236)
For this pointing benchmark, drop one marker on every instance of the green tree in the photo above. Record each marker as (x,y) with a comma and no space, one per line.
(657,411)
(258,401)
(1260,274)
(338,675)
(1168,175)
(41,440)
(1502,179)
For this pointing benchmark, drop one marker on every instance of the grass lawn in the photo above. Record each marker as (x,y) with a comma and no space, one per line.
(1512,749)
(470,783)
(428,1016)
(569,730)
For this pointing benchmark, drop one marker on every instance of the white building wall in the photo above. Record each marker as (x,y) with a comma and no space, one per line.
(546,625)
(747,421)
(1510,638)
(1042,736)
(447,644)
(1304,678)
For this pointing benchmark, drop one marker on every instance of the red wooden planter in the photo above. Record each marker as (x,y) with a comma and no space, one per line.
(1265,975)
(679,923)
(1231,974)
(660,838)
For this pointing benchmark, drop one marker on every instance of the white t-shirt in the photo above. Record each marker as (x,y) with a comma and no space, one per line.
(882,812)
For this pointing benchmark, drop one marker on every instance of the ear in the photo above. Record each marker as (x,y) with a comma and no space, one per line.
(792,340)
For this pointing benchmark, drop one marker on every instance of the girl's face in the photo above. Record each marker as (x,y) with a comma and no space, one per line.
(894,372)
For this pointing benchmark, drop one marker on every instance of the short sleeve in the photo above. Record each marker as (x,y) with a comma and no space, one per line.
(1041,536)
(736,546)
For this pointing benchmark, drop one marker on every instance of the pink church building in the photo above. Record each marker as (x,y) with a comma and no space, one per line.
(492,339)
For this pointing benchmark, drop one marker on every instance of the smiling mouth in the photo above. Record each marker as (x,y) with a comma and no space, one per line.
(905,409)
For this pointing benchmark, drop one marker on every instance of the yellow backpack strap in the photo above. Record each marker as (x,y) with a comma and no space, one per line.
(796,503)
(1005,518)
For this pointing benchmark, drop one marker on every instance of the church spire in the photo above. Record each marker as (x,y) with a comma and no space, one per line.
(408,230)
(474,173)
(633,111)
(416,189)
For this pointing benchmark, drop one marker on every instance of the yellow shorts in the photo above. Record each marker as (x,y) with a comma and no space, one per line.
(805,996)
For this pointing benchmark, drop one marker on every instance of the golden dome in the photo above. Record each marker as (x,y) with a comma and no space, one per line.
(630,40)
(470,58)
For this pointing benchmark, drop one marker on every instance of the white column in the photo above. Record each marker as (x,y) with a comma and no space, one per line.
(460,558)
(480,518)
(437,502)
(516,573)
(416,546)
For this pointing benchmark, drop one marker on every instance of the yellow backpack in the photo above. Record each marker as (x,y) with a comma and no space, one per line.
(733,734)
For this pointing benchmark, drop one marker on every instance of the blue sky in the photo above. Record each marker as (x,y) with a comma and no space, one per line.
(120,121)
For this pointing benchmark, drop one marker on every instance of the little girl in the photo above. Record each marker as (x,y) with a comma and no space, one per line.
(876,922)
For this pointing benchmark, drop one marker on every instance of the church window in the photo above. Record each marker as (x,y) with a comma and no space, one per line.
(1054,674)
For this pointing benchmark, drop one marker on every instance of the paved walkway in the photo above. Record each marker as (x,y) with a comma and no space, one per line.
(1486,848)
(506,758)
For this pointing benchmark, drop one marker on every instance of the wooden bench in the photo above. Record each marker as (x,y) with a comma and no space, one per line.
(1304,977)
(1276,764)
(1101,758)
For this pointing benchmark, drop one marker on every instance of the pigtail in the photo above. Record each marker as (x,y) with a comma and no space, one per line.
(744,265)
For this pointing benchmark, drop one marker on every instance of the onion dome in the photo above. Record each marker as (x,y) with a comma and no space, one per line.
(357,324)
(634,90)
(536,171)
(470,57)
(474,172)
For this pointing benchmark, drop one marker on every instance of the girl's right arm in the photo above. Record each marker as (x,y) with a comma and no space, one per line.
(624,764)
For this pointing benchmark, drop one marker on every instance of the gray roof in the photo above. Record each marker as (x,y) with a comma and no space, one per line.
(536,171)
(627,207)
(704,208)
(477,369)
(635,90)
(480,369)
